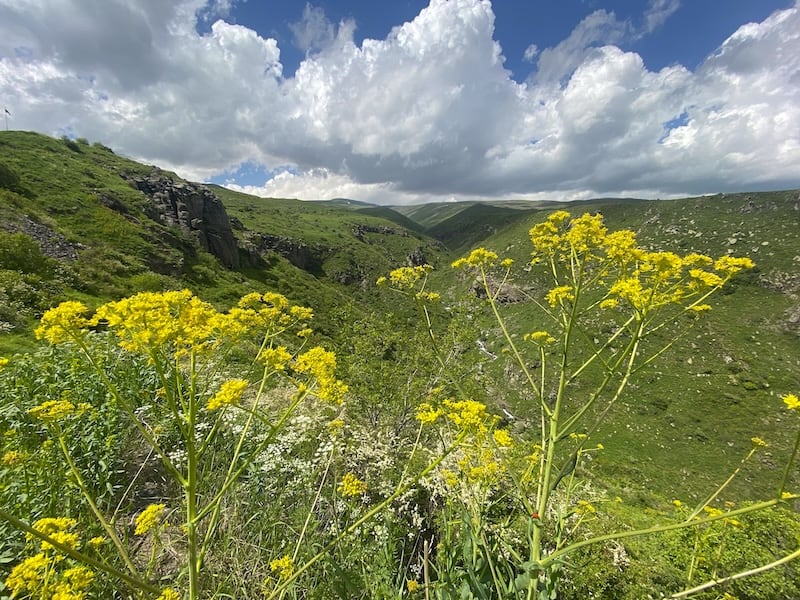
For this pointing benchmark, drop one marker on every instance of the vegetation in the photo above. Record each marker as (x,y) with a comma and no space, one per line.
(614,416)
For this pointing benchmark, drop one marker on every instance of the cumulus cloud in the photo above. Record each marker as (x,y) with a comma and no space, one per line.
(429,112)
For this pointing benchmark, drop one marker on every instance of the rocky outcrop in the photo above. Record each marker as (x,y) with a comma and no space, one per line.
(194,209)
(359,231)
(301,255)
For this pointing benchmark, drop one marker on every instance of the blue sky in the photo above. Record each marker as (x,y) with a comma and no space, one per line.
(694,30)
(416,101)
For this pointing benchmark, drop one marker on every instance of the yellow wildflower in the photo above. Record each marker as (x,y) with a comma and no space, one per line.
(169,594)
(540,337)
(412,586)
(427,414)
(706,278)
(12,457)
(230,392)
(96,541)
(407,277)
(586,233)
(149,518)
(351,486)
(609,303)
(560,294)
(317,361)
(3,362)
(503,438)
(469,415)
(758,442)
(791,401)
(677,503)
(52,410)
(432,297)
(79,578)
(585,508)
(700,308)
(283,566)
(481,257)
(28,575)
(63,323)
(276,358)
(730,265)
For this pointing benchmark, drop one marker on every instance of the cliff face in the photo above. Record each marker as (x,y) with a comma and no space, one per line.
(194,209)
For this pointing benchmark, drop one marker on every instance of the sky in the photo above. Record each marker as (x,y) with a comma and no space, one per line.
(409,101)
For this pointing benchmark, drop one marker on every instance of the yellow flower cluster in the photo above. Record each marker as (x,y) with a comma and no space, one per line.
(149,518)
(178,320)
(276,358)
(542,338)
(230,392)
(480,257)
(62,323)
(283,566)
(480,467)
(560,295)
(169,594)
(406,278)
(37,575)
(3,362)
(641,279)
(427,414)
(321,364)
(502,438)
(351,486)
(53,410)
(469,415)
(12,457)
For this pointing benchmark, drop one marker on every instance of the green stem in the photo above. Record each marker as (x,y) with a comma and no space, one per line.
(711,498)
(115,393)
(190,490)
(558,554)
(98,515)
(743,574)
(500,321)
(788,471)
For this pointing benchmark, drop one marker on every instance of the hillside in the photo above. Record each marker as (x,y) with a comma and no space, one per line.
(115,227)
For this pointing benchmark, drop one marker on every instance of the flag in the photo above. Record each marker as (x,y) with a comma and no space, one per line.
(5,109)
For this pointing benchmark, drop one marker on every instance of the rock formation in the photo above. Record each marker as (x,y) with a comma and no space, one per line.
(193,208)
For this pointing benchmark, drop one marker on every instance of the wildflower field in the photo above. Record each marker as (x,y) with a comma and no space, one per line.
(159,447)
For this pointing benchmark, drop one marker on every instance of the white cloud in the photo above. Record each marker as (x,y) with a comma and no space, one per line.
(530,53)
(429,112)
(658,12)
(314,31)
